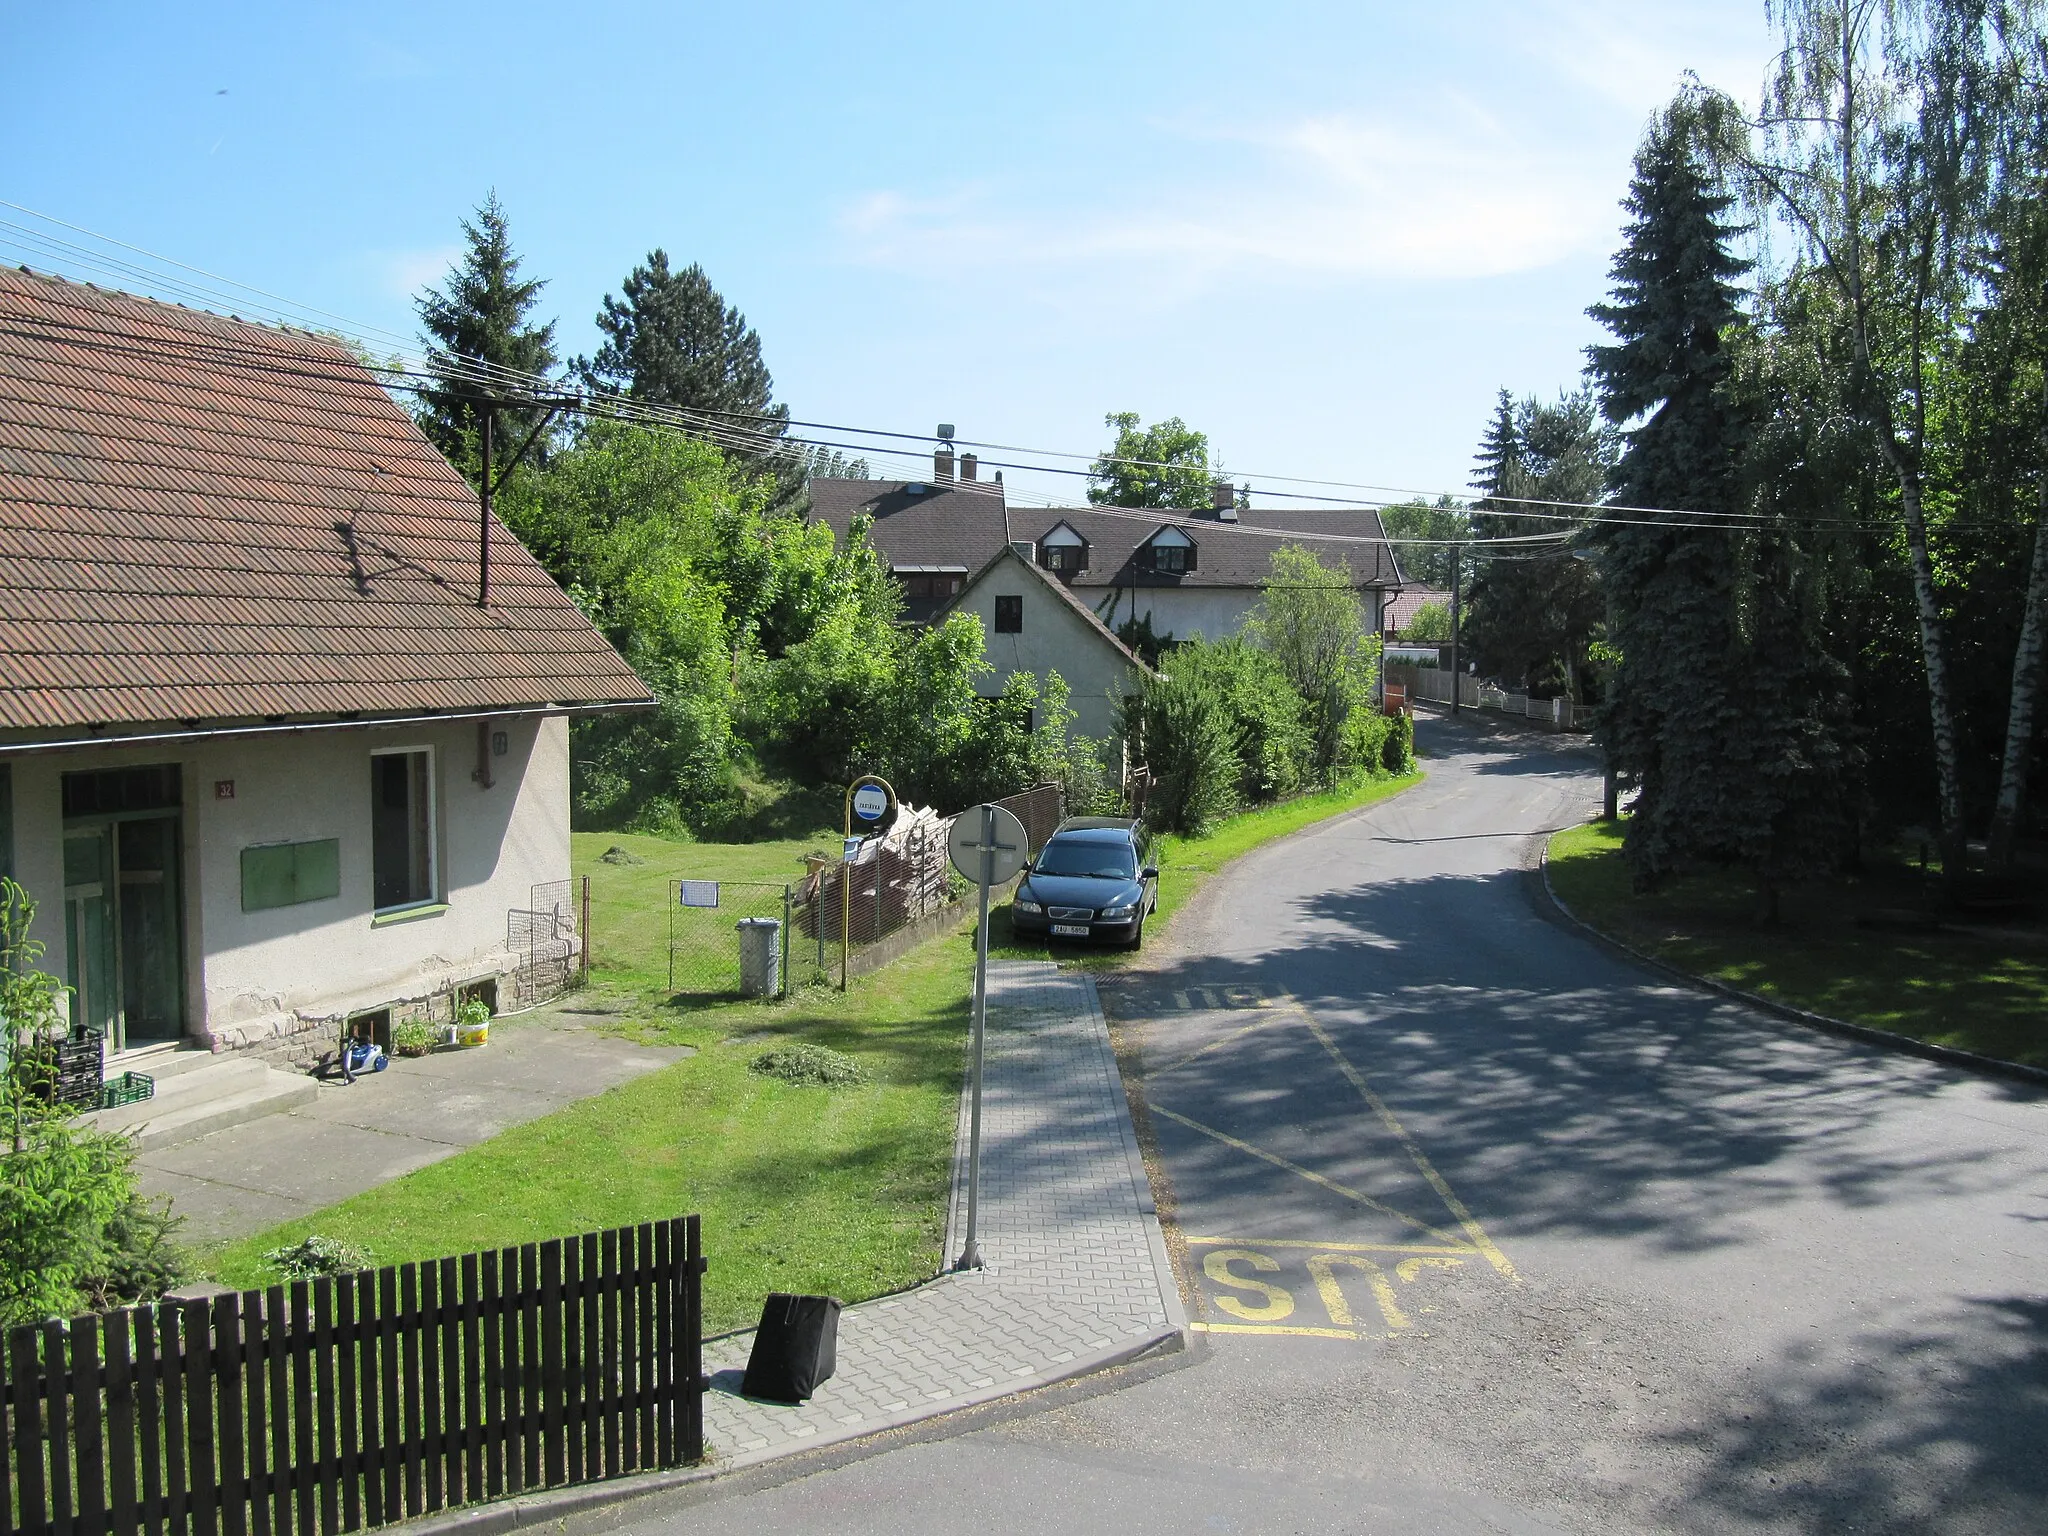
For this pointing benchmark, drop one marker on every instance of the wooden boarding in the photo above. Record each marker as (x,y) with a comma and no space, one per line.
(359,1400)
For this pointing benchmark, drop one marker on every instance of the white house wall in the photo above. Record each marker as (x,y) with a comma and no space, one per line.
(1213,613)
(1054,639)
(253,978)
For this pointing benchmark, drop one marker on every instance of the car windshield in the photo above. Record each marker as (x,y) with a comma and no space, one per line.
(1086,857)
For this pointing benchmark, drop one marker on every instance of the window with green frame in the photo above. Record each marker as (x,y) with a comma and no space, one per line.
(285,874)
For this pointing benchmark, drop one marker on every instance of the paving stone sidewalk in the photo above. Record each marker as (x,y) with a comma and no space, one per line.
(1077,1275)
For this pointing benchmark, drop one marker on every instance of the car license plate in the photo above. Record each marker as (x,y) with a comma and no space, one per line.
(1071,930)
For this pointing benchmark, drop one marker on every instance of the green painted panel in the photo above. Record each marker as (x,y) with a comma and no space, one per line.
(285,874)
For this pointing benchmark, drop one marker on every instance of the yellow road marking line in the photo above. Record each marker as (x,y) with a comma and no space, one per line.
(1213,1045)
(1423,1165)
(1295,1242)
(1316,1178)
(1305,1333)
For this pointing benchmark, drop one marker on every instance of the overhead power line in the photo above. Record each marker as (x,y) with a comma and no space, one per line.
(411,369)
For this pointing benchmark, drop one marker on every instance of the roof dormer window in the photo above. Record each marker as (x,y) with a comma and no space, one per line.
(1169,552)
(1063,551)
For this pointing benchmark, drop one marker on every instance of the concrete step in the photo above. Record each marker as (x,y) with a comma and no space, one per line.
(161,1062)
(198,1102)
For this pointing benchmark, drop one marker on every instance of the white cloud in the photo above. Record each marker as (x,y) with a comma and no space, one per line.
(1452,194)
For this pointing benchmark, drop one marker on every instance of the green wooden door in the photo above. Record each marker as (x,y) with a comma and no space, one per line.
(152,969)
(89,930)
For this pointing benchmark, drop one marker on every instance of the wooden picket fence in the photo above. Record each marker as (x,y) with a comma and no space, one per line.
(358,1400)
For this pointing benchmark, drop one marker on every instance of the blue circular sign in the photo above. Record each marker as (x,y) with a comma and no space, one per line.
(870,802)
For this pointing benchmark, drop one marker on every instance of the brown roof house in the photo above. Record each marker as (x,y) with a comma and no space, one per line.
(266,762)
(1190,573)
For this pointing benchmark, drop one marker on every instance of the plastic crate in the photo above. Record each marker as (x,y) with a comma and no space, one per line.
(128,1088)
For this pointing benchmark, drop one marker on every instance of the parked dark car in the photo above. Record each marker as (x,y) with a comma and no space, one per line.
(1090,881)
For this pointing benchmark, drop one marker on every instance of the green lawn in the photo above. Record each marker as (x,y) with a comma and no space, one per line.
(840,1191)
(1187,863)
(1960,984)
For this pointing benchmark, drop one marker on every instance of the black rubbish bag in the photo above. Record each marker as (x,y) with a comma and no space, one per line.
(795,1347)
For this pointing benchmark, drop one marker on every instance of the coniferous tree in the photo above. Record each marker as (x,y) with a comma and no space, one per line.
(479,316)
(670,339)
(1500,451)
(1722,706)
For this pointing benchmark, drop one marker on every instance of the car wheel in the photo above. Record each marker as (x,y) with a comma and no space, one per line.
(1137,935)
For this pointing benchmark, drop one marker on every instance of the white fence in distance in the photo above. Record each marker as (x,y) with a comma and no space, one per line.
(1434,684)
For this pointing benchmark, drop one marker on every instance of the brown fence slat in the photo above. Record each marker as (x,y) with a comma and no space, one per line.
(693,1339)
(149,1418)
(202,1467)
(530,1386)
(664,1342)
(256,1410)
(228,1384)
(591,1355)
(277,1338)
(473,1403)
(493,1367)
(176,1392)
(27,1377)
(357,1343)
(444,1343)
(645,1278)
(608,1266)
(568,1390)
(406,1319)
(122,1513)
(626,1288)
(391,1438)
(90,1426)
(57,1426)
(314,1403)
(555,1466)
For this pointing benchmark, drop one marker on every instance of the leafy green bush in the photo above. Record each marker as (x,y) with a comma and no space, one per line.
(412,1038)
(1184,726)
(72,1222)
(315,1256)
(809,1065)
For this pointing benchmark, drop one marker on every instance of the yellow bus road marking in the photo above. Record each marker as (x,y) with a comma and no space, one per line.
(1423,1165)
(1295,1242)
(1214,1045)
(1316,1178)
(1303,1333)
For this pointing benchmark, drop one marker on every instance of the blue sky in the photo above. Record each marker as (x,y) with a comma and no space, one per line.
(1323,234)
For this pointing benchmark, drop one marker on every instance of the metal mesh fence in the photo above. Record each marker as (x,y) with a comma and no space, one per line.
(704,919)
(547,938)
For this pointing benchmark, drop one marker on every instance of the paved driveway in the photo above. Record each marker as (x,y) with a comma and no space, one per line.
(1492,1230)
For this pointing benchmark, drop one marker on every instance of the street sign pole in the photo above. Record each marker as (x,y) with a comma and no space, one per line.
(970,1250)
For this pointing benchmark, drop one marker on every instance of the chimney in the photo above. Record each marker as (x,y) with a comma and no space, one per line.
(970,467)
(942,464)
(1222,496)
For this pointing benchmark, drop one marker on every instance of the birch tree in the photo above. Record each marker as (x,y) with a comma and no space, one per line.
(1884,134)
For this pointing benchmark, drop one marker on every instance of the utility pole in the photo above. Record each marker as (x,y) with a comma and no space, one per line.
(1457,611)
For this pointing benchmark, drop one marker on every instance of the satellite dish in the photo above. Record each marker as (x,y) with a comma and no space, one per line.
(946,431)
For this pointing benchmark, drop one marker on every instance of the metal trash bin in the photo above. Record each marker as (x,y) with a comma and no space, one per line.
(760,956)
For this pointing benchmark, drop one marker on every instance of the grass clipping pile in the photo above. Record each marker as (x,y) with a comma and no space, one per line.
(809,1066)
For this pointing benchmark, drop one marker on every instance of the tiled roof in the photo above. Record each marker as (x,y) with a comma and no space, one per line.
(1401,608)
(950,524)
(205,520)
(944,526)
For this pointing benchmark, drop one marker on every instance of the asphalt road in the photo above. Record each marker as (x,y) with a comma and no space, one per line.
(1490,1229)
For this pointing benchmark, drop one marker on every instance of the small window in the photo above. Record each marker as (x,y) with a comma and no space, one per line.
(1065,558)
(1169,557)
(285,874)
(402,828)
(1009,615)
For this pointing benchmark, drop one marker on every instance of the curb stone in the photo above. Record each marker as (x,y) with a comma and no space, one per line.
(1891,1040)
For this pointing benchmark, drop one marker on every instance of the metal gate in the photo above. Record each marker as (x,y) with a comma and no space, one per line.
(703,933)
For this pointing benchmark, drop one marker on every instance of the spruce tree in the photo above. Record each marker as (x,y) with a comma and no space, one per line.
(480,316)
(670,339)
(1721,705)
(1500,450)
